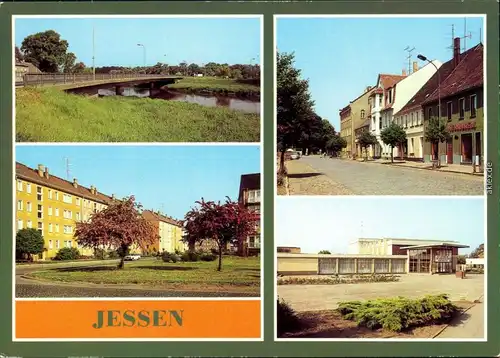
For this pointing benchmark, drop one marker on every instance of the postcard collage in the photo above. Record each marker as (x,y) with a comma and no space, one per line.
(140,200)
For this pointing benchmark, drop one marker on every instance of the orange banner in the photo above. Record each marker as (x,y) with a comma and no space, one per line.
(138,319)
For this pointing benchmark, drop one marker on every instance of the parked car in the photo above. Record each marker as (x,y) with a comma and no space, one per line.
(133,257)
(294,156)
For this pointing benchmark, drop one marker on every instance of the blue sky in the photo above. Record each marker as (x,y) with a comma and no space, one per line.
(166,178)
(315,224)
(342,56)
(195,40)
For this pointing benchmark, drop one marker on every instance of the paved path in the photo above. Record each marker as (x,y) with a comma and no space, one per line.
(471,325)
(371,178)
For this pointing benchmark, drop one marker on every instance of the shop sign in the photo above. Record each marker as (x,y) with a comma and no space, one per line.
(461,127)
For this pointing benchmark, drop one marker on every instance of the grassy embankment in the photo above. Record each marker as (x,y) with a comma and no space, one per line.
(219,86)
(238,274)
(50,115)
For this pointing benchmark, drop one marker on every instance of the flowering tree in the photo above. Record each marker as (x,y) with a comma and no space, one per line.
(119,226)
(224,223)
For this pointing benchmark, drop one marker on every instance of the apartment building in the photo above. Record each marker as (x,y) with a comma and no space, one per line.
(169,230)
(53,206)
(249,196)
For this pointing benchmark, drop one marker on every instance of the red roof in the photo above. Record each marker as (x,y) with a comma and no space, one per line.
(152,216)
(468,74)
(377,91)
(388,81)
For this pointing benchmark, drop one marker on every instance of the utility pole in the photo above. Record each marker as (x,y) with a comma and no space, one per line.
(93,47)
(409,50)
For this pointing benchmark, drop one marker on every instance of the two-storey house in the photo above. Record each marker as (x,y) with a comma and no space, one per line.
(462,99)
(54,206)
(249,196)
(360,109)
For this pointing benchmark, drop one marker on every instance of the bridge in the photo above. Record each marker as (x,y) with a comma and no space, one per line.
(88,83)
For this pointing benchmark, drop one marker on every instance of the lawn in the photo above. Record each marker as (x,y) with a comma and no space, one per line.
(238,274)
(51,115)
(221,85)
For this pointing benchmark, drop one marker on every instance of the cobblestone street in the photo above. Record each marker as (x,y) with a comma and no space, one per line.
(328,176)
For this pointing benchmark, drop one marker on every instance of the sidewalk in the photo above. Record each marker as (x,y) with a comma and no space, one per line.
(449,168)
(470,326)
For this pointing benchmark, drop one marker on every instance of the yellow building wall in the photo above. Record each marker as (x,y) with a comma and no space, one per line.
(171,237)
(54,214)
(297,264)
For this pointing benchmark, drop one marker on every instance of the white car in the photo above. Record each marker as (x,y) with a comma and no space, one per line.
(133,257)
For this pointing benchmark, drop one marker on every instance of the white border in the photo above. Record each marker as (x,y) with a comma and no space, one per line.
(409,197)
(124,144)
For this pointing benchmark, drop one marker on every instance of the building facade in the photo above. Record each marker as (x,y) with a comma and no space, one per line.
(169,230)
(462,106)
(360,111)
(53,206)
(249,196)
(346,130)
(399,95)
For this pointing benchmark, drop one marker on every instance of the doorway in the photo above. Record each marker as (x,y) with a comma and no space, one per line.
(449,151)
(467,148)
(479,146)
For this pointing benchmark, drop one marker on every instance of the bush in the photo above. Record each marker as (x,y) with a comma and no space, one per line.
(286,318)
(336,280)
(397,314)
(207,257)
(113,254)
(67,253)
(190,256)
(99,254)
(166,256)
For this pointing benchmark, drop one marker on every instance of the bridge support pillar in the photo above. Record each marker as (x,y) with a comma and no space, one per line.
(151,85)
(119,90)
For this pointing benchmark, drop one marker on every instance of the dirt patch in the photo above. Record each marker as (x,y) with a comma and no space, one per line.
(329,324)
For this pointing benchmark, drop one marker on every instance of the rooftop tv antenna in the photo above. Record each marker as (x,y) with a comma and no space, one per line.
(68,168)
(409,50)
(465,37)
(452,38)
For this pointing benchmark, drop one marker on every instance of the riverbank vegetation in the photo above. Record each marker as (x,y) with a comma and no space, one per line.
(221,86)
(51,115)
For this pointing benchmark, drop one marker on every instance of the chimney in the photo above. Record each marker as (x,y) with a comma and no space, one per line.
(415,66)
(403,72)
(47,173)
(368,88)
(113,196)
(75,182)
(40,170)
(456,51)
(92,189)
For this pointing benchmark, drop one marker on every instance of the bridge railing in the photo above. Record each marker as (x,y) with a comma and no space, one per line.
(43,79)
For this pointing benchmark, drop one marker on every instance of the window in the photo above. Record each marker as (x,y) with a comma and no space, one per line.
(51,244)
(19,185)
(411,120)
(68,229)
(50,211)
(254,196)
(461,107)
(406,121)
(29,224)
(57,244)
(449,110)
(78,201)
(39,193)
(68,214)
(95,207)
(473,106)
(28,207)
(251,241)
(40,211)
(390,96)
(57,227)
(50,227)
(429,113)
(67,198)
(19,205)
(19,224)
(362,114)
(57,211)
(50,194)
(40,227)
(78,216)
(28,188)
(57,195)
(380,100)
(418,118)
(67,243)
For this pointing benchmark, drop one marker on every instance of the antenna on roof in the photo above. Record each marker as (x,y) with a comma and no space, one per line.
(68,169)
(452,37)
(409,50)
(465,37)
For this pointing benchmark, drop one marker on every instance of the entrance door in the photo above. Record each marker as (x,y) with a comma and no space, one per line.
(467,148)
(479,151)
(449,151)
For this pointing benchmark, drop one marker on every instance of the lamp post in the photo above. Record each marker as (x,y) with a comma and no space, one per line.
(93,48)
(423,58)
(143,54)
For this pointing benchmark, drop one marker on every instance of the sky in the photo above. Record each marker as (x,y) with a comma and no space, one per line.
(342,56)
(166,178)
(166,40)
(315,224)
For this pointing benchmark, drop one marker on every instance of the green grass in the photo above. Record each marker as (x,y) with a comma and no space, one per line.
(399,313)
(50,115)
(236,272)
(213,84)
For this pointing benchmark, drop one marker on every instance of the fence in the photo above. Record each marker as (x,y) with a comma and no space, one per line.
(308,264)
(43,79)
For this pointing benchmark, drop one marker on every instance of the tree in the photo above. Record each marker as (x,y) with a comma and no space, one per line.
(29,242)
(365,140)
(45,50)
(478,252)
(324,252)
(80,68)
(436,132)
(392,136)
(68,65)
(120,226)
(18,55)
(226,223)
(294,104)
(335,144)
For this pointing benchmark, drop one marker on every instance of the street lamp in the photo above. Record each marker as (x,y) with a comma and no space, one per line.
(144,54)
(93,48)
(423,58)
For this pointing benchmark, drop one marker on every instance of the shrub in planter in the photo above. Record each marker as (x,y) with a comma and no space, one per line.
(286,318)
(67,253)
